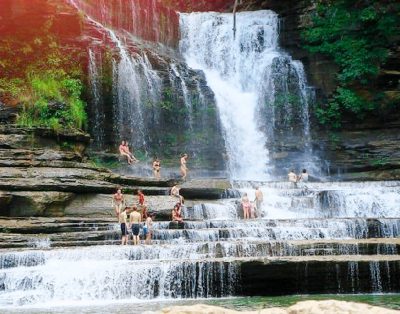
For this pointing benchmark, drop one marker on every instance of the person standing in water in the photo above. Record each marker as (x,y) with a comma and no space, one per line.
(292,178)
(142,206)
(258,200)
(157,168)
(149,228)
(184,168)
(246,206)
(303,177)
(134,219)
(122,217)
(118,201)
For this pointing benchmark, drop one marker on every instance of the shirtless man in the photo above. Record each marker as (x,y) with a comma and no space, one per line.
(123,152)
(122,217)
(259,200)
(292,178)
(184,168)
(157,168)
(175,192)
(134,220)
(118,201)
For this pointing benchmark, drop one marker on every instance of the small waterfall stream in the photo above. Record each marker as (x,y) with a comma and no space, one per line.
(204,259)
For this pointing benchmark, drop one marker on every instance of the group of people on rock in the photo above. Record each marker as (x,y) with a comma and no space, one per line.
(130,218)
(252,209)
(294,178)
(125,152)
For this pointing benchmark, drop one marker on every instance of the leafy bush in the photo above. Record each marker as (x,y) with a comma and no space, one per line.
(358,36)
(47,89)
(43,76)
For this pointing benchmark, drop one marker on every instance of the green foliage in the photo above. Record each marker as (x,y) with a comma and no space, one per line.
(358,36)
(38,72)
(70,110)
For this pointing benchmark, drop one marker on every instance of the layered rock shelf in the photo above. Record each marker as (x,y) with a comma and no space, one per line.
(43,173)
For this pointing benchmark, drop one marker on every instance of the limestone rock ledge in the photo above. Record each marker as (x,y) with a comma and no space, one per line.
(43,173)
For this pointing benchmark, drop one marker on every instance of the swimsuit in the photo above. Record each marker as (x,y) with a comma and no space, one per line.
(124,230)
(135,229)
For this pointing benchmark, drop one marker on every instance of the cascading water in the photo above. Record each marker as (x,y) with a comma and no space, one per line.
(254,84)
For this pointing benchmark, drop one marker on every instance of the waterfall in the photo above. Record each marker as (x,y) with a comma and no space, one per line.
(259,89)
(96,109)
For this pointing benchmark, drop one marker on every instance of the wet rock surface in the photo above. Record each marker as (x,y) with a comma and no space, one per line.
(47,174)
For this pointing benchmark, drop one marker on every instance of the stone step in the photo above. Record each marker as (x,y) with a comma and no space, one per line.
(320,274)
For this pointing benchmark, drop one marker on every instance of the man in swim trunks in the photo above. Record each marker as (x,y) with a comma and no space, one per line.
(118,201)
(184,169)
(149,228)
(122,217)
(157,168)
(134,219)
(259,200)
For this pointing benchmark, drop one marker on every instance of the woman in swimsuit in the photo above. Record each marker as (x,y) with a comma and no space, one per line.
(156,168)
(246,205)
(176,214)
(184,169)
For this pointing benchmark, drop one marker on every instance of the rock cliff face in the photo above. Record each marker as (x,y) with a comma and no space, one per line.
(361,150)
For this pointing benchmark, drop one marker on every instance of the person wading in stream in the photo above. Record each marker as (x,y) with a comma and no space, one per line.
(118,201)
(258,201)
(134,220)
(122,217)
(175,192)
(184,168)
(148,228)
(246,205)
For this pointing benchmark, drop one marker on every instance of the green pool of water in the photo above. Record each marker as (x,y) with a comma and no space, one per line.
(391,301)
(241,304)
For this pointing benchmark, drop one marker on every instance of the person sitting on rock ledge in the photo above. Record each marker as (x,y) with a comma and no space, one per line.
(124,151)
(133,158)
(176,213)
